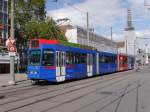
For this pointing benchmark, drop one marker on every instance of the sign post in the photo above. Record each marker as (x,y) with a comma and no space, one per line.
(10,43)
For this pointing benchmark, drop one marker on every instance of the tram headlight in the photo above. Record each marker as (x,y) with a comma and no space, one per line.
(33,72)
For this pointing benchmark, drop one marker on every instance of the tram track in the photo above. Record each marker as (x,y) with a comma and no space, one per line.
(120,97)
(16,88)
(56,89)
(86,94)
(53,96)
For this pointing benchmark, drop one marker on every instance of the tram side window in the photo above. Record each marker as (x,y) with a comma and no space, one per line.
(91,59)
(120,62)
(57,59)
(125,60)
(83,58)
(72,58)
(108,59)
(69,58)
(48,57)
(105,59)
(114,59)
(77,58)
(94,58)
(102,59)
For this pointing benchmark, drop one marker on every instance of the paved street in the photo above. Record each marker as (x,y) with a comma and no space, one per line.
(80,55)
(119,92)
(5,78)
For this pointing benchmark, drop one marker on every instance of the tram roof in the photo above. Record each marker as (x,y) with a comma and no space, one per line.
(57,42)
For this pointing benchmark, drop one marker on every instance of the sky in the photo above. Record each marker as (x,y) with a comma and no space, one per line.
(104,14)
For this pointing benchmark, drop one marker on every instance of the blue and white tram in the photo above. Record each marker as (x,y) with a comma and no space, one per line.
(53,62)
(107,62)
(57,63)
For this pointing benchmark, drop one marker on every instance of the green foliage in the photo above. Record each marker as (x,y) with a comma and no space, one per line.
(76,45)
(43,29)
(25,12)
(30,23)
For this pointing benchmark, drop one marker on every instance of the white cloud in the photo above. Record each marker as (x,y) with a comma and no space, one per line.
(143,37)
(143,33)
(104,13)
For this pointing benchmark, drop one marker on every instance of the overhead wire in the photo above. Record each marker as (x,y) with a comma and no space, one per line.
(92,16)
(80,10)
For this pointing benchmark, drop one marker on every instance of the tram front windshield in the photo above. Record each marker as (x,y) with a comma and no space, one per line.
(48,57)
(34,58)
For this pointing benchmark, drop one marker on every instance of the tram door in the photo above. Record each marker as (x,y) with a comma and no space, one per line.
(89,65)
(60,65)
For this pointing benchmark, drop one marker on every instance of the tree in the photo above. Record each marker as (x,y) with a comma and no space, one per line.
(30,23)
(25,11)
(44,29)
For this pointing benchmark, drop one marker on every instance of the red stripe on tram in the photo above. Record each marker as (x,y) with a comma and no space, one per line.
(50,67)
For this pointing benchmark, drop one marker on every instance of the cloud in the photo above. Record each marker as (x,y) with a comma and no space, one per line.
(143,33)
(105,13)
(101,13)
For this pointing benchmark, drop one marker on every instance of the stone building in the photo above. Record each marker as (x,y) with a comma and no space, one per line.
(76,34)
(129,45)
(3,19)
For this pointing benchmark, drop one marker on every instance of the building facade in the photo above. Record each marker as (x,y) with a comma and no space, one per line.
(4,57)
(79,35)
(3,19)
(129,46)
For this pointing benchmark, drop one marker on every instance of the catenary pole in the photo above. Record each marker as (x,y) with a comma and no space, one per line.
(12,57)
(88,35)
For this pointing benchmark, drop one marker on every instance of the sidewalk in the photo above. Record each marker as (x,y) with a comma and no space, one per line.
(5,78)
